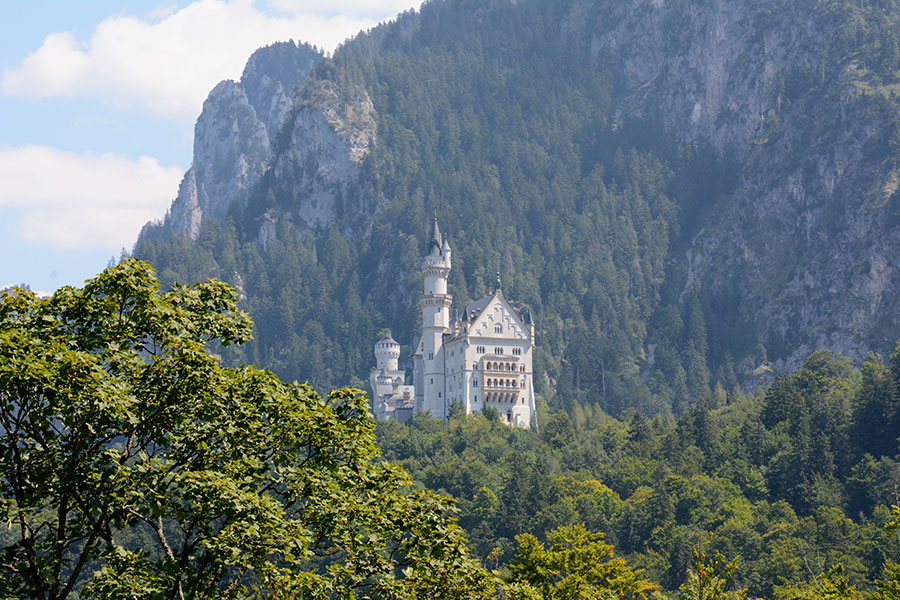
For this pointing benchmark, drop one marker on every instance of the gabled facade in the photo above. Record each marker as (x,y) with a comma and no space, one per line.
(481,359)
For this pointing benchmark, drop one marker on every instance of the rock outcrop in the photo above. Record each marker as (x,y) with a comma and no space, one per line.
(234,135)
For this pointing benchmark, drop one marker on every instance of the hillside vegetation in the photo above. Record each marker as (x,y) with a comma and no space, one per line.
(792,483)
(666,241)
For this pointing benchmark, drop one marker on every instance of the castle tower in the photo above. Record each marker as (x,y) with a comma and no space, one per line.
(435,323)
(387,354)
(391,399)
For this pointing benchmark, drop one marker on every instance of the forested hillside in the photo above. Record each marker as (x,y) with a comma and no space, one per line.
(685,194)
(791,482)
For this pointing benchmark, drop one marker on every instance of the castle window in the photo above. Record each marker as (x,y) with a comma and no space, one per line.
(498,350)
(517,351)
(523,384)
(475,366)
(431,355)
(498,328)
(522,368)
(479,349)
(474,383)
(431,380)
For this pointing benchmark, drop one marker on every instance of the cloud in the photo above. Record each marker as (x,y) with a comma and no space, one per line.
(168,63)
(81,201)
(380,9)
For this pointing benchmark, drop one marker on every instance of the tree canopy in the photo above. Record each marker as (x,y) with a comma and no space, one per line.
(134,465)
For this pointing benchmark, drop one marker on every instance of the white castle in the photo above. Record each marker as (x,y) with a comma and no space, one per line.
(481,359)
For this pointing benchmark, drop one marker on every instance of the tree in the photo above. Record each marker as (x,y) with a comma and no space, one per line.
(133,465)
(709,579)
(832,585)
(577,565)
(877,409)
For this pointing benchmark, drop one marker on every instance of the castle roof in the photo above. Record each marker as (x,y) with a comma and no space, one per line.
(434,246)
(474,308)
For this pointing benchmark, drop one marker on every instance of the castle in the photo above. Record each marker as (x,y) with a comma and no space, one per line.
(480,359)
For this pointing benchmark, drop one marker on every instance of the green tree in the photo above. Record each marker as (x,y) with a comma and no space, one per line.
(577,565)
(133,465)
(832,585)
(710,579)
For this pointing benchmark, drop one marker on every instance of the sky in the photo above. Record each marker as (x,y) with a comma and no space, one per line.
(98,101)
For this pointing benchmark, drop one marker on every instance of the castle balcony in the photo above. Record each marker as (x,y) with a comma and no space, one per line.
(503,398)
(506,365)
(437,299)
(501,384)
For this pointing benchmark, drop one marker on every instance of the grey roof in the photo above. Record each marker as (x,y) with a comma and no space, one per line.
(474,308)
(434,246)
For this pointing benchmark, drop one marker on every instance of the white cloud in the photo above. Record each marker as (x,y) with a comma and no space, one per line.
(380,9)
(82,201)
(169,65)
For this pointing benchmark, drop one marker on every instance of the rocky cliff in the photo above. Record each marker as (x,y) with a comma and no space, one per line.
(234,136)
(805,244)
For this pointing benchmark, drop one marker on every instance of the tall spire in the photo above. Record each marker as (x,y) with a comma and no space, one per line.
(434,246)
(498,281)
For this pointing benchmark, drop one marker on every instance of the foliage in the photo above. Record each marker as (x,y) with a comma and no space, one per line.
(778,481)
(710,578)
(833,585)
(577,565)
(132,464)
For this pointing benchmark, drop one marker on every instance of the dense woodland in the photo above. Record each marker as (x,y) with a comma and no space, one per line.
(791,482)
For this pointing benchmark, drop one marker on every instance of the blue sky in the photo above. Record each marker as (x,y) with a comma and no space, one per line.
(98,101)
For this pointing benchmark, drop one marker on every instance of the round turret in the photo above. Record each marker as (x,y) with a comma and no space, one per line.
(387,353)
(445,251)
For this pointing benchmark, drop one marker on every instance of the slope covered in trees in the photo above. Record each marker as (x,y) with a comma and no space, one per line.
(684,193)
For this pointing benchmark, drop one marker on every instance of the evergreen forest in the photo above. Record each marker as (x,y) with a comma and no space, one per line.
(493,117)
(793,482)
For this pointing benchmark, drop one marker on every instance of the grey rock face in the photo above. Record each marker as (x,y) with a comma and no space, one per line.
(706,70)
(802,242)
(807,243)
(234,134)
(331,132)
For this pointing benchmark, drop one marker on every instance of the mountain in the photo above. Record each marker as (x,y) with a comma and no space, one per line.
(687,194)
